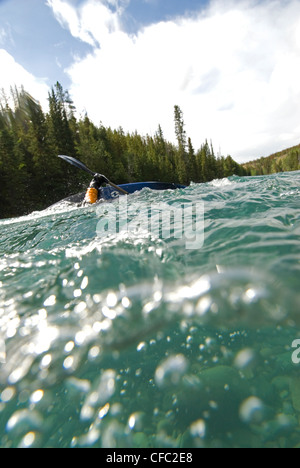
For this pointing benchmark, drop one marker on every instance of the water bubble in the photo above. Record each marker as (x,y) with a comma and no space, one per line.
(28,440)
(141,346)
(109,313)
(37,396)
(126,303)
(252,410)
(136,421)
(100,393)
(23,421)
(45,337)
(68,363)
(111,300)
(84,283)
(104,411)
(19,372)
(80,385)
(69,347)
(46,361)
(51,301)
(244,358)
(79,308)
(7,394)
(114,435)
(94,352)
(198,428)
(171,370)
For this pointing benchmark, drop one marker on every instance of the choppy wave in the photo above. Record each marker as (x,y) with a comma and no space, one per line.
(114,339)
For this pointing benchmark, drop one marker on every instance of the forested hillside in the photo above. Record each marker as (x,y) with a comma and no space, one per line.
(283,161)
(32,177)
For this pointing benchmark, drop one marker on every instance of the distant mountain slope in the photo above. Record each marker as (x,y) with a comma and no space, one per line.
(283,161)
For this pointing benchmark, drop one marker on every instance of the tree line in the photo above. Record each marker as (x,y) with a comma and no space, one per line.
(32,177)
(283,161)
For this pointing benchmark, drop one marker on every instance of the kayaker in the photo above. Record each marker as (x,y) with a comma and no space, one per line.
(92,194)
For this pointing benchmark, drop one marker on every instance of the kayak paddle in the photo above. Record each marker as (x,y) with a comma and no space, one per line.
(82,166)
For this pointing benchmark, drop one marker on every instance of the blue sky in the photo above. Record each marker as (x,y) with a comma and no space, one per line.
(233,66)
(143,12)
(36,40)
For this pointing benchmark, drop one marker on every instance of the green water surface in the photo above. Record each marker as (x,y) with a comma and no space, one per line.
(128,339)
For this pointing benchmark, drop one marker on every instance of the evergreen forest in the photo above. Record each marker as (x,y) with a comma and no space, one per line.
(283,161)
(32,177)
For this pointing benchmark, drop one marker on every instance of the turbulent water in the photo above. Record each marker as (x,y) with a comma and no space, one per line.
(128,337)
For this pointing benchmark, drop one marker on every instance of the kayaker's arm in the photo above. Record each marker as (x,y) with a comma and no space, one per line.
(92,192)
(82,166)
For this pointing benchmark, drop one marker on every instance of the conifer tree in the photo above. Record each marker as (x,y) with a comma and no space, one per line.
(192,164)
(60,131)
(181,159)
(179,128)
(31,139)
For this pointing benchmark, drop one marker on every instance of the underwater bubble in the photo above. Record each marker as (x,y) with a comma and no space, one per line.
(69,363)
(46,361)
(126,303)
(69,347)
(19,372)
(80,308)
(89,439)
(44,338)
(171,370)
(204,305)
(218,322)
(79,385)
(37,396)
(101,391)
(104,411)
(136,421)
(51,301)
(141,346)
(94,352)
(84,283)
(198,428)
(24,421)
(28,440)
(7,394)
(244,358)
(252,410)
(111,300)
(114,435)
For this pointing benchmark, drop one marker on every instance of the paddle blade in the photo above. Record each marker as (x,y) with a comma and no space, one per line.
(76,163)
(82,166)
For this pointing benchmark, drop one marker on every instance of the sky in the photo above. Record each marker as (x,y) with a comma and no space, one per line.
(233,66)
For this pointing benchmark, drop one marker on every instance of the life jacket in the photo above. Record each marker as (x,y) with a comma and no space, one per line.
(92,193)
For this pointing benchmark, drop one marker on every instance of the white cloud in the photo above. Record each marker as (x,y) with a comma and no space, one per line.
(234,70)
(16,75)
(92,22)
(6,36)
(3,35)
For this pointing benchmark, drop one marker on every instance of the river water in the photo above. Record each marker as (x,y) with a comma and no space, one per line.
(117,331)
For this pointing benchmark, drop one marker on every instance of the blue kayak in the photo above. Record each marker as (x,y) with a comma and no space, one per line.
(109,193)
